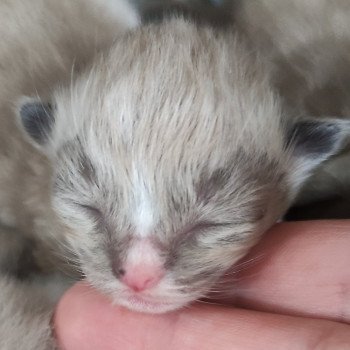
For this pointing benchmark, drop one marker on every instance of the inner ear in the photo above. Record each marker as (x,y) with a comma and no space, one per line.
(317,139)
(312,141)
(37,119)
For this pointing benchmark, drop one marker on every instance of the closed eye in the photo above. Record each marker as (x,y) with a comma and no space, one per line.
(91,210)
(205,226)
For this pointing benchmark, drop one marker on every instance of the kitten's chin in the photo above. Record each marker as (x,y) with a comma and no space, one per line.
(140,304)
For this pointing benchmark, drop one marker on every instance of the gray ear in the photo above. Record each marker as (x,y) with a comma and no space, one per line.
(313,141)
(37,119)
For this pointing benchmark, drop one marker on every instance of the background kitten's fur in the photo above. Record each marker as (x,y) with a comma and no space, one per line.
(25,316)
(25,304)
(308,43)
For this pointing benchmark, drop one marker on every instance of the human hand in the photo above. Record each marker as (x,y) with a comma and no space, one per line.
(294,294)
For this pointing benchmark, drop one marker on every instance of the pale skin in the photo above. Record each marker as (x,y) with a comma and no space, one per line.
(294,293)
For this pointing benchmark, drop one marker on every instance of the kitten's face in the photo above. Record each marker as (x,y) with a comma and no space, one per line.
(154,178)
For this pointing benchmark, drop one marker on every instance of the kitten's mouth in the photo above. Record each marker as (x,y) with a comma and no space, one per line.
(142,304)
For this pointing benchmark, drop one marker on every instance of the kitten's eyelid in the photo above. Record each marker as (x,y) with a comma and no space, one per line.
(208,225)
(215,224)
(90,208)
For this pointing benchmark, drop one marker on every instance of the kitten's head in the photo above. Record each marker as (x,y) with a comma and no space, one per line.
(170,159)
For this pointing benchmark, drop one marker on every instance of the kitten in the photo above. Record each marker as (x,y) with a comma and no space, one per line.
(170,157)
(25,316)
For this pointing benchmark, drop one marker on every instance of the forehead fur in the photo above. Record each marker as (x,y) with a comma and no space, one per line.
(164,81)
(164,108)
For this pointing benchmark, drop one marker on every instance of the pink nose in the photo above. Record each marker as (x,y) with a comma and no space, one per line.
(142,277)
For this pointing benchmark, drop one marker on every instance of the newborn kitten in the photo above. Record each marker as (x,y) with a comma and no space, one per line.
(308,43)
(170,157)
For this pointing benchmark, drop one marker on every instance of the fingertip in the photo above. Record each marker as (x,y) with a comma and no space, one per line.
(69,319)
(85,319)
